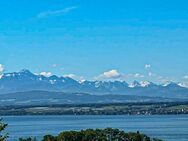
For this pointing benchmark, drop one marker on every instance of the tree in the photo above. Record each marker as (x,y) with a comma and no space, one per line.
(107,134)
(2,128)
(70,136)
(28,139)
(49,138)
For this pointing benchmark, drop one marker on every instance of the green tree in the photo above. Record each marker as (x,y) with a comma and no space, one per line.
(28,139)
(49,138)
(70,136)
(135,136)
(2,128)
(147,139)
(89,135)
(107,134)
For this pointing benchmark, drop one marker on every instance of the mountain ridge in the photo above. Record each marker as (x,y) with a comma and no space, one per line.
(25,80)
(49,98)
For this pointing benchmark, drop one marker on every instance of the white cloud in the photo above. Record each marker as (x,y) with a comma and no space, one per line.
(54,65)
(56,12)
(147,66)
(138,75)
(111,74)
(185,77)
(152,74)
(75,77)
(1,68)
(46,74)
(135,75)
(114,74)
(62,69)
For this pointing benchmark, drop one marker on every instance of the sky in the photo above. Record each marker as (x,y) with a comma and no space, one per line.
(96,40)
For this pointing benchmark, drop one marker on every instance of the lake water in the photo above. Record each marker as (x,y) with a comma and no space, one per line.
(167,127)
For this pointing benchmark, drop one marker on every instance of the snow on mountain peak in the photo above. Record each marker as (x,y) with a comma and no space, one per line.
(169,84)
(1,75)
(184,85)
(134,84)
(25,80)
(144,83)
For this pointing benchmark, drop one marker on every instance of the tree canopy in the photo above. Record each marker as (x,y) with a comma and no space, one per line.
(107,134)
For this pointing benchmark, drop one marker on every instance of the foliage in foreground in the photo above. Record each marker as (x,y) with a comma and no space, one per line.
(2,128)
(107,134)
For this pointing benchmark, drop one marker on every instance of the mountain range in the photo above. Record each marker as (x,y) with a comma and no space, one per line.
(25,81)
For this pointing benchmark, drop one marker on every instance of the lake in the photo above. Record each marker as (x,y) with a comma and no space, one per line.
(167,127)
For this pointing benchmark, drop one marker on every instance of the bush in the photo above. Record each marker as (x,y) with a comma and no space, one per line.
(2,128)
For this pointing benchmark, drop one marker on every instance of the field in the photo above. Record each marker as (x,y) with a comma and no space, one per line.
(98,109)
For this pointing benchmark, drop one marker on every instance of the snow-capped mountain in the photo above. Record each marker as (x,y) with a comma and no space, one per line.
(27,81)
(181,84)
(134,84)
(145,83)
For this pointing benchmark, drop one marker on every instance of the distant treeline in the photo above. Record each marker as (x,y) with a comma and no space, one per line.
(96,104)
(107,134)
(166,108)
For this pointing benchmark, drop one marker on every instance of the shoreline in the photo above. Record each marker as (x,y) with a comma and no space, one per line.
(97,109)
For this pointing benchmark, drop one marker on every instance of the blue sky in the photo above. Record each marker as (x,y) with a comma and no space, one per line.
(100,39)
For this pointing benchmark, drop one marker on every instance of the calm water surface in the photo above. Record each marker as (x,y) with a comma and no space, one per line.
(167,127)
